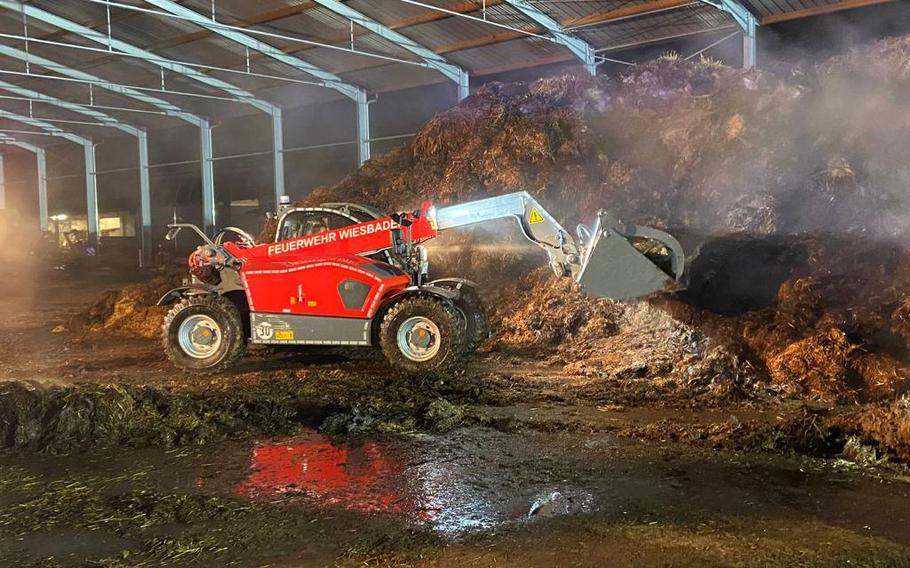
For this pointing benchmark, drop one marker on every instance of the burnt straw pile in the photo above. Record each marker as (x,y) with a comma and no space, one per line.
(131,310)
(791,185)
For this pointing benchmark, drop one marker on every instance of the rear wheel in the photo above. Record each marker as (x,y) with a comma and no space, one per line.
(422,335)
(204,334)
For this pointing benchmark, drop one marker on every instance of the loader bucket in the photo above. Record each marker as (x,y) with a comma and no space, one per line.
(616,267)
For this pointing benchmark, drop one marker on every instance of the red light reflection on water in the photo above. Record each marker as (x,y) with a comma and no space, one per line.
(364,477)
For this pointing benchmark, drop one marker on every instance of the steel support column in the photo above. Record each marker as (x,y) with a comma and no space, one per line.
(278,155)
(208,178)
(142,144)
(747,22)
(91,193)
(750,56)
(363,129)
(329,80)
(41,163)
(91,185)
(165,106)
(579,48)
(464,86)
(145,202)
(2,183)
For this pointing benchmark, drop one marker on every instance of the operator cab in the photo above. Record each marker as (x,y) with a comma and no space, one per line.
(305,221)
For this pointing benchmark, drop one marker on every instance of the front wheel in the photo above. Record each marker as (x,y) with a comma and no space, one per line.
(204,334)
(476,330)
(468,303)
(422,335)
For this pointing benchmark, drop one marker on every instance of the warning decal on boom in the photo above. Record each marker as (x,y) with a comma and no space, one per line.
(535,217)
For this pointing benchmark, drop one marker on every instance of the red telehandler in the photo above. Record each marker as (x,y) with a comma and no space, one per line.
(345,274)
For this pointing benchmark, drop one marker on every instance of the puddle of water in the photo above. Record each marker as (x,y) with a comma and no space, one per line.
(446,483)
(363,477)
(366,476)
(481,480)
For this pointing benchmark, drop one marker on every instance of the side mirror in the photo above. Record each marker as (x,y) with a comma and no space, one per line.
(175,228)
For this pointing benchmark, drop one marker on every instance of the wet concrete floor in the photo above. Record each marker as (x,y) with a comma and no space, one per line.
(439,491)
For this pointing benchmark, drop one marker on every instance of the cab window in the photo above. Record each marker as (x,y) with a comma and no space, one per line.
(309,222)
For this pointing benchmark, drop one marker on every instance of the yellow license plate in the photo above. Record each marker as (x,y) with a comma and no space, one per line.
(284,335)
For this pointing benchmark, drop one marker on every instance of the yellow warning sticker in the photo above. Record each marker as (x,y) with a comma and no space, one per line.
(535,217)
(284,334)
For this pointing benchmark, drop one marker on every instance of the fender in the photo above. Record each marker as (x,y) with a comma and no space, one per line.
(191,290)
(455,284)
(448,289)
(441,292)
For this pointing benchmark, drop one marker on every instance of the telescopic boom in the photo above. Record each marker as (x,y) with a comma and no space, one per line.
(602,258)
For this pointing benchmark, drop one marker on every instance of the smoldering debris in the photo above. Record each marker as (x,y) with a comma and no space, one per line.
(677,143)
(540,310)
(58,419)
(825,321)
(132,310)
(795,180)
(884,426)
(790,186)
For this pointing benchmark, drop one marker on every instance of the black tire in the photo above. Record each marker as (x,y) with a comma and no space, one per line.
(470,306)
(476,330)
(448,321)
(225,314)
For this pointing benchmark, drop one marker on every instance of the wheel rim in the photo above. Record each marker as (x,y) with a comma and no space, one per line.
(418,339)
(199,336)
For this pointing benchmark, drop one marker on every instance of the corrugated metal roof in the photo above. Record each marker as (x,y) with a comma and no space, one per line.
(501,37)
(440,33)
(231,10)
(148,29)
(386,12)
(81,12)
(507,53)
(648,28)
(764,8)
(562,11)
(392,77)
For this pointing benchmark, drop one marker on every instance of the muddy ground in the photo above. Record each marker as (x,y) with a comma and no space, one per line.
(311,458)
(758,419)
